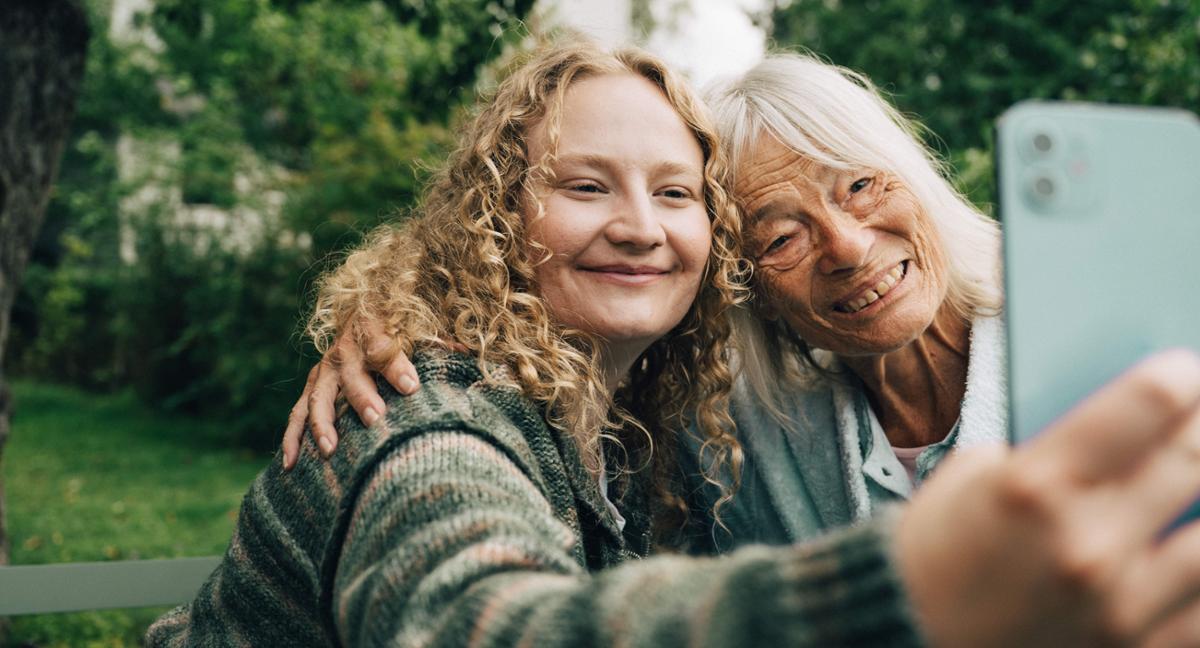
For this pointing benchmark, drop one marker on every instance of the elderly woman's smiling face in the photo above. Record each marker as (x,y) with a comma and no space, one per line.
(847,257)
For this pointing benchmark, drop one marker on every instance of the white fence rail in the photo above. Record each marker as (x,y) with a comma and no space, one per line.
(69,587)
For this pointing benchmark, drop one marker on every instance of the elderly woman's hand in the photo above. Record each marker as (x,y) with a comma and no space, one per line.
(345,369)
(1060,542)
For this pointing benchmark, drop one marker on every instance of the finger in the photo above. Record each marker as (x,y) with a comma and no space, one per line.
(378,347)
(1163,599)
(1167,482)
(1118,426)
(321,408)
(402,375)
(382,351)
(359,389)
(1180,631)
(295,425)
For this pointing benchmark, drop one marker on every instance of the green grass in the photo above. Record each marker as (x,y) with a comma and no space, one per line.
(91,477)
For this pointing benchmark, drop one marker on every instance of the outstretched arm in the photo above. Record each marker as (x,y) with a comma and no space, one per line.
(453,544)
(1057,543)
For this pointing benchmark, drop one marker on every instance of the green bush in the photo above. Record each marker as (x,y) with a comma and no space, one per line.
(216,169)
(212,331)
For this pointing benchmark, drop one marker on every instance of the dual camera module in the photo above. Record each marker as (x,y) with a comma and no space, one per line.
(1055,174)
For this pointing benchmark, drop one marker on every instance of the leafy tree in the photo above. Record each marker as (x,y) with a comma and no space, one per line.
(225,150)
(41,62)
(957,64)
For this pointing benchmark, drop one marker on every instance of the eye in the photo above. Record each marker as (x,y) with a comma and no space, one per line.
(776,244)
(677,195)
(585,187)
(782,243)
(859,185)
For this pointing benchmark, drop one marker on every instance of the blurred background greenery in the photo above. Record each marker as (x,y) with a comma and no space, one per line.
(225,152)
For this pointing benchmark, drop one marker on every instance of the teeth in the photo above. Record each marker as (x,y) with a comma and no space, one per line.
(882,288)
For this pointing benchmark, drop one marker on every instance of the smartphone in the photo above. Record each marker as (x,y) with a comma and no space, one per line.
(1100,208)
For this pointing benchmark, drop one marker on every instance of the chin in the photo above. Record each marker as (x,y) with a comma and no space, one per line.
(633,333)
(882,336)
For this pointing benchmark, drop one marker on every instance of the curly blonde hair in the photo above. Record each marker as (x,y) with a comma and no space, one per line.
(463,272)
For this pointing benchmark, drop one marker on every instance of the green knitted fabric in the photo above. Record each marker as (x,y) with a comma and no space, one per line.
(463,520)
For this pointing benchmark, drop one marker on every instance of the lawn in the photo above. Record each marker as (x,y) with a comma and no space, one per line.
(102,477)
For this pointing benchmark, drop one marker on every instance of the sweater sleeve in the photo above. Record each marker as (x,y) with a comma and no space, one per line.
(450,544)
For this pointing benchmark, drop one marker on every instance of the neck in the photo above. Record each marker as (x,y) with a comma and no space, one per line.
(616,361)
(917,390)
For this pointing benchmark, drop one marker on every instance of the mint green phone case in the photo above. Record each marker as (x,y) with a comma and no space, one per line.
(1100,207)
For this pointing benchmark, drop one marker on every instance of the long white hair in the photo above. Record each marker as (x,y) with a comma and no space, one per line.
(836,117)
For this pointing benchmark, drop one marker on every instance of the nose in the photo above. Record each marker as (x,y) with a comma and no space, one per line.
(635,223)
(845,243)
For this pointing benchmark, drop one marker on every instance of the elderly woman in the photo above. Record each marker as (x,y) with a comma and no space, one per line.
(875,345)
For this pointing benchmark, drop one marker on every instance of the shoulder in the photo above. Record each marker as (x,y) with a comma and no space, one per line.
(455,396)
(805,406)
(455,390)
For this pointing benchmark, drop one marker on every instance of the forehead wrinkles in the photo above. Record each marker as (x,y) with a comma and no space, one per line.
(758,173)
(779,178)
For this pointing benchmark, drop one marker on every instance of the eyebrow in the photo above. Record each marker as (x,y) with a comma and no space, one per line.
(665,167)
(774,211)
(766,212)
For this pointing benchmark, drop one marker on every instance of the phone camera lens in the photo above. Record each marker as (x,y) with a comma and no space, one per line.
(1044,187)
(1043,143)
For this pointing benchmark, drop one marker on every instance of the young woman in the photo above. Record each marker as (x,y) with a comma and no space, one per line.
(566,285)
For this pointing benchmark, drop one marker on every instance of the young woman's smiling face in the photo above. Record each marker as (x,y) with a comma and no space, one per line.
(847,257)
(624,216)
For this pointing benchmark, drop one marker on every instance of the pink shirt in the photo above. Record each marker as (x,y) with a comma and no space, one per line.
(908,459)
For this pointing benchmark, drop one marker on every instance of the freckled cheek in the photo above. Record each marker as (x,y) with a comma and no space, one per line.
(692,242)
(563,237)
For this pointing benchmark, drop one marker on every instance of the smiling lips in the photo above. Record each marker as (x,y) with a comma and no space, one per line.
(872,295)
(627,275)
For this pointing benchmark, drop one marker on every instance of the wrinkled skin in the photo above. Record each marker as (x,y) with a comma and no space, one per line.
(820,236)
(823,239)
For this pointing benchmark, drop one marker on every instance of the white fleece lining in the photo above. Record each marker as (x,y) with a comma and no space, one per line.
(984,415)
(983,418)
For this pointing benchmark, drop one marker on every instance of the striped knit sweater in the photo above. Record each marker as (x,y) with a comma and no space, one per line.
(463,520)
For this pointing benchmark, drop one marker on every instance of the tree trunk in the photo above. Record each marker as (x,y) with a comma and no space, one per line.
(42,48)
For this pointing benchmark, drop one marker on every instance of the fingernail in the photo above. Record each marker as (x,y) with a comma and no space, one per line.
(326,446)
(370,416)
(407,385)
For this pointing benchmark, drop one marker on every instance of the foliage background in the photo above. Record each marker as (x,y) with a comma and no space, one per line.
(224,153)
(958,64)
